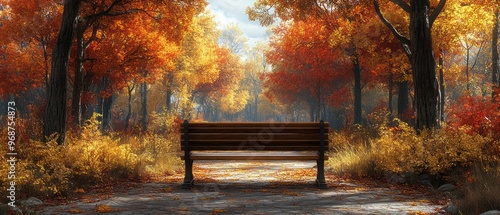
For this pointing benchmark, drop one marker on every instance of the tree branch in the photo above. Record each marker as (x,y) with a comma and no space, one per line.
(104,12)
(95,27)
(477,55)
(400,37)
(403,5)
(436,12)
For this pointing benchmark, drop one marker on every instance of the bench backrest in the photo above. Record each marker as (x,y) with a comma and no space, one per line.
(254,136)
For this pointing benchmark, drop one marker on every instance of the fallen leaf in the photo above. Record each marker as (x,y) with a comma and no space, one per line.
(104,209)
(218,211)
(75,211)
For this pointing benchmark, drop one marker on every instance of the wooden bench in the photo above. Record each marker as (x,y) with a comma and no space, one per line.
(254,141)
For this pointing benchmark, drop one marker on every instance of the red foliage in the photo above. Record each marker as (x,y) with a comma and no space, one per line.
(481,114)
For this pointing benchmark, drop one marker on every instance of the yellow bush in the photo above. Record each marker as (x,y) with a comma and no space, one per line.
(47,169)
(39,170)
(438,151)
(96,156)
(401,150)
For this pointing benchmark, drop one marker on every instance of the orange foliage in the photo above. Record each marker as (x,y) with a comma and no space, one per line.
(27,35)
(306,67)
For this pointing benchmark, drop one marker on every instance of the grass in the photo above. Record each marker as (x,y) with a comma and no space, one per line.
(481,190)
(353,160)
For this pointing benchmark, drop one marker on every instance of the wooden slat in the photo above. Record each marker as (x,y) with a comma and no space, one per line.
(253,148)
(254,156)
(252,142)
(301,130)
(276,125)
(264,137)
(255,142)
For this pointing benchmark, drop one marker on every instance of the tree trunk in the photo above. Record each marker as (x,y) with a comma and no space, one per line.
(311,112)
(46,65)
(169,100)
(86,110)
(441,85)
(391,86)
(467,70)
(494,58)
(256,106)
(403,100)
(423,66)
(55,114)
(129,112)
(170,82)
(107,113)
(76,103)
(357,90)
(419,49)
(144,106)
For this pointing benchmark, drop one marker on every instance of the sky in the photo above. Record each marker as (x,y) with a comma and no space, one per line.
(233,11)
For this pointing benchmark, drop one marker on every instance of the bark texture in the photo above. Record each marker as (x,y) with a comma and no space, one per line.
(494,57)
(357,91)
(55,114)
(424,67)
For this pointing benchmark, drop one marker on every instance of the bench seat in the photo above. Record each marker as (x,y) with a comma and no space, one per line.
(254,156)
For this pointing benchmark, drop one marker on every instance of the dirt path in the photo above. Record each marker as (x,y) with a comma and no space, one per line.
(249,188)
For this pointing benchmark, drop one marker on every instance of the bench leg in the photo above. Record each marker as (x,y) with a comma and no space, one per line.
(320,179)
(188,177)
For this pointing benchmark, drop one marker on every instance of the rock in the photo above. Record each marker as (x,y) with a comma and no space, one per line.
(425,179)
(492,212)
(447,188)
(451,209)
(395,179)
(31,201)
(6,209)
(16,210)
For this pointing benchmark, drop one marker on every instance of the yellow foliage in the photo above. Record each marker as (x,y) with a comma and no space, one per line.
(400,150)
(47,169)
(95,155)
(436,152)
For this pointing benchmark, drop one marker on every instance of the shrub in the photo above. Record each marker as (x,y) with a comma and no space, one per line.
(480,114)
(481,190)
(45,169)
(400,150)
(94,156)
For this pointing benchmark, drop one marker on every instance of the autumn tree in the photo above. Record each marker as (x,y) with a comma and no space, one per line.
(132,56)
(168,16)
(495,71)
(28,30)
(459,43)
(306,69)
(232,37)
(419,49)
(224,97)
(171,15)
(255,66)
(196,63)
(348,14)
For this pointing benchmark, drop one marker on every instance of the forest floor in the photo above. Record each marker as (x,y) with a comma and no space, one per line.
(250,188)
